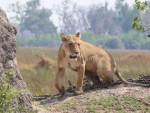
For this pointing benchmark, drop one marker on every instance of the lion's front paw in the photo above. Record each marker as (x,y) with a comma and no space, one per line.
(60,89)
(78,92)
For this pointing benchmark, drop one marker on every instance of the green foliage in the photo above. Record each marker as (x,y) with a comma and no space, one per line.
(102,39)
(141,5)
(37,22)
(8,72)
(130,40)
(89,37)
(114,43)
(101,20)
(35,26)
(7,94)
(146,44)
(36,29)
(45,40)
(125,16)
(137,23)
(33,4)
(105,20)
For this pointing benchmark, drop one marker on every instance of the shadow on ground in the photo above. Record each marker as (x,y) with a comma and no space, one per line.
(88,87)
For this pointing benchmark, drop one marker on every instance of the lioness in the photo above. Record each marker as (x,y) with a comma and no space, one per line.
(84,58)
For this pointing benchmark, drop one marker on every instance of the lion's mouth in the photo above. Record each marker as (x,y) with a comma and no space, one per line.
(73,57)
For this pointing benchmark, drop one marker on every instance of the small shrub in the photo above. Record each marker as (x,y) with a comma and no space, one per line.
(7,94)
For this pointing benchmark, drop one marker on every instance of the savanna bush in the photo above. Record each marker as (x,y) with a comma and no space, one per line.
(7,94)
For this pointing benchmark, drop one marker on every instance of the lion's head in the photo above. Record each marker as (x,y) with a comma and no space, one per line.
(71,44)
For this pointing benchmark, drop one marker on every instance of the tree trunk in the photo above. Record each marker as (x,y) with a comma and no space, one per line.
(8,61)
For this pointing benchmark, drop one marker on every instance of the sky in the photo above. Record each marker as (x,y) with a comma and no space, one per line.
(5,4)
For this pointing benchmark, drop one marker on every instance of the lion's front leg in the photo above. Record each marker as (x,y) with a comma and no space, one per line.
(58,80)
(81,72)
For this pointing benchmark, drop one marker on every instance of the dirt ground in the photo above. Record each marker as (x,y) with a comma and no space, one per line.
(76,104)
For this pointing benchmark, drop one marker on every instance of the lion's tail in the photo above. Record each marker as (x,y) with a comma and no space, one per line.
(126,82)
(120,77)
(116,71)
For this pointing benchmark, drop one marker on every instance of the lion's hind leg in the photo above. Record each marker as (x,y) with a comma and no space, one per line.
(93,77)
(107,77)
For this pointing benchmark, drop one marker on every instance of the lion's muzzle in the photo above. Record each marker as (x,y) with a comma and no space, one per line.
(75,55)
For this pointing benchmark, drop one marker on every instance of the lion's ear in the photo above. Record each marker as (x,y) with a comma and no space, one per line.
(63,37)
(78,35)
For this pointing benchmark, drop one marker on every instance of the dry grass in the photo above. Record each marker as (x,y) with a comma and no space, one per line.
(132,63)
(38,67)
(45,62)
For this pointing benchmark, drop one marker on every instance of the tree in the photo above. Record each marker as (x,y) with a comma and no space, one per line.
(89,37)
(132,39)
(125,15)
(114,43)
(137,21)
(146,45)
(71,17)
(102,20)
(35,22)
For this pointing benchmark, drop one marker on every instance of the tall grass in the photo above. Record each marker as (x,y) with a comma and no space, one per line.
(40,78)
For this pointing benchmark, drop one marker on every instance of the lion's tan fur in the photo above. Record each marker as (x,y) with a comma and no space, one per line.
(91,59)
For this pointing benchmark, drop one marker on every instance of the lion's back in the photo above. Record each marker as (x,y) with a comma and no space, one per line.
(95,55)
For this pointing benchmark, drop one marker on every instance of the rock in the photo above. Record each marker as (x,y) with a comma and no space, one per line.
(8,61)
